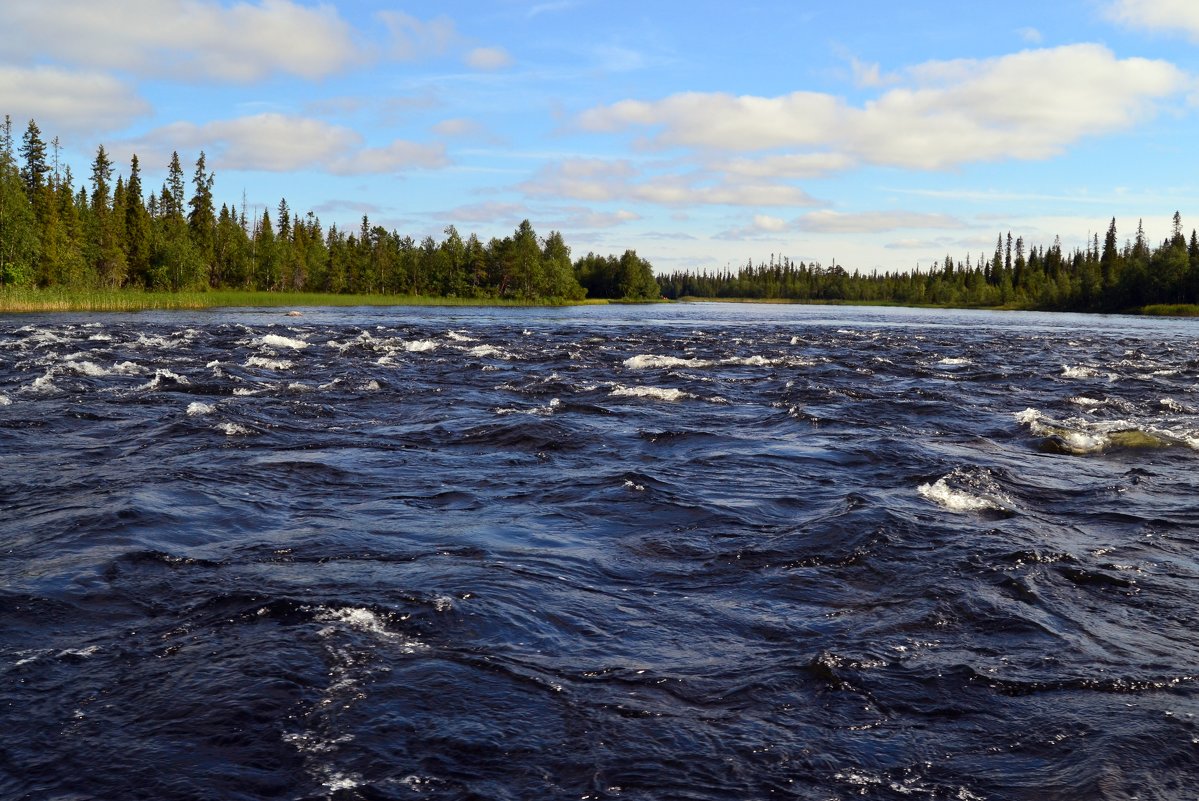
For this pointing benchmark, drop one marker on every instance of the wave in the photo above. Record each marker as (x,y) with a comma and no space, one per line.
(196,409)
(420,346)
(163,375)
(967,490)
(279,342)
(649,361)
(1081,437)
(268,364)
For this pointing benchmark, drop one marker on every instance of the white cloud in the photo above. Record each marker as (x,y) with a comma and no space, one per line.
(1030,35)
(458,126)
(412,38)
(600,180)
(797,165)
(191,39)
(488,58)
(869,75)
(282,143)
(395,157)
(827,221)
(1171,16)
(1028,105)
(68,102)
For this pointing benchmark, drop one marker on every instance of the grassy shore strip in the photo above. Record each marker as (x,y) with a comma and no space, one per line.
(1171,310)
(1156,310)
(127,300)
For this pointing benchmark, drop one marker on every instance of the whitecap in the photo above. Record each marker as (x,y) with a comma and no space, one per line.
(420,346)
(277,341)
(159,376)
(5,400)
(955,361)
(539,411)
(647,361)
(966,490)
(195,409)
(268,364)
(454,336)
(244,391)
(1079,371)
(369,386)
(484,351)
(363,620)
(233,429)
(88,368)
(657,393)
(44,383)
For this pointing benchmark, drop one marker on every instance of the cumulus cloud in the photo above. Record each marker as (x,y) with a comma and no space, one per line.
(1028,105)
(281,143)
(67,101)
(1156,15)
(488,58)
(191,39)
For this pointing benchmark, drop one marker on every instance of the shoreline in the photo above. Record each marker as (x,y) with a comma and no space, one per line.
(32,301)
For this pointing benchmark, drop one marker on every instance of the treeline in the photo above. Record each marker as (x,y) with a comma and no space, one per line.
(1102,277)
(112,235)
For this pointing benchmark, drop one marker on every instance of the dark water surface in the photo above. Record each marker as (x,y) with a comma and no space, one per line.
(669,552)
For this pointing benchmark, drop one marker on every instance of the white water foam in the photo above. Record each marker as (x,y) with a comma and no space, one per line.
(966,490)
(420,346)
(268,364)
(233,429)
(537,411)
(657,393)
(196,409)
(1082,371)
(648,361)
(5,400)
(279,342)
(43,384)
(94,370)
(485,351)
(1080,437)
(160,375)
(363,620)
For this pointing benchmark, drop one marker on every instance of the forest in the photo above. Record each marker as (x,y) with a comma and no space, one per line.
(111,235)
(1105,277)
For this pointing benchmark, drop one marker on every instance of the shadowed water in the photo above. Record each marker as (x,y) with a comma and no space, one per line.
(667,552)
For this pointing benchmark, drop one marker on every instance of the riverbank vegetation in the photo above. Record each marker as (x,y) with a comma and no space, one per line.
(110,245)
(1103,277)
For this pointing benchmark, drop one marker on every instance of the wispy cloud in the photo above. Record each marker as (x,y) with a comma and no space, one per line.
(489,58)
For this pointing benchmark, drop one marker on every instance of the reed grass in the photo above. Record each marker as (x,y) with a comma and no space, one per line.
(57,299)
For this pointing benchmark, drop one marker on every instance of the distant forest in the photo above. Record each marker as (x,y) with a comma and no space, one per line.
(53,233)
(1104,277)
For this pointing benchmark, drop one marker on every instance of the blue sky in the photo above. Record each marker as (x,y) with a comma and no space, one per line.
(880,134)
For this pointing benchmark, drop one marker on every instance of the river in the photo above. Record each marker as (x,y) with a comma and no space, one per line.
(630,552)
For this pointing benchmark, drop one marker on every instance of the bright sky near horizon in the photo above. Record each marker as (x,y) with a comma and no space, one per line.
(880,134)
